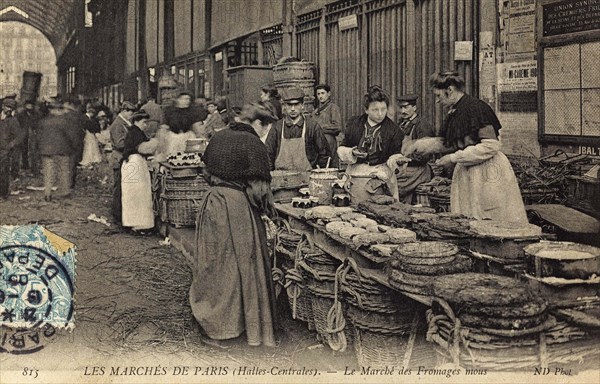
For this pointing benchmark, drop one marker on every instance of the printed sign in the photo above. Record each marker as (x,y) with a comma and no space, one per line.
(570,16)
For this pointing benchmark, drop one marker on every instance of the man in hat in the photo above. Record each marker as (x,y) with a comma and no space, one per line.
(118,131)
(296,142)
(414,127)
(11,136)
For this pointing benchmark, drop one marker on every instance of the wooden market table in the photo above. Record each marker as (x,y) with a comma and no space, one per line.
(340,248)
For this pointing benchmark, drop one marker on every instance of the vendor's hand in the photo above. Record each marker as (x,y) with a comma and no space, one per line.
(396,160)
(358,153)
(444,161)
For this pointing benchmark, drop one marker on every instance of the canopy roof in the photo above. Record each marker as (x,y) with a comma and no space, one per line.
(49,16)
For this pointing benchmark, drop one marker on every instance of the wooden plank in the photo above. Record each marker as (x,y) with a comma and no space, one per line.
(567,219)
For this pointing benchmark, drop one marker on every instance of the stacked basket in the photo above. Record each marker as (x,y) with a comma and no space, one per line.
(180,200)
(287,273)
(415,266)
(296,74)
(319,271)
(474,326)
(384,324)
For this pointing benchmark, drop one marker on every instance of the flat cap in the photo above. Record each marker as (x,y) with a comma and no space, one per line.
(11,103)
(126,105)
(292,94)
(408,99)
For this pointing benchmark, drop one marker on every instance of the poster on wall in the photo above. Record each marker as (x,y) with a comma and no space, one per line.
(521,26)
(517,86)
(517,77)
(562,67)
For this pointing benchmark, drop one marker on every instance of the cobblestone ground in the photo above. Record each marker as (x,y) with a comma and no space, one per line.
(131,296)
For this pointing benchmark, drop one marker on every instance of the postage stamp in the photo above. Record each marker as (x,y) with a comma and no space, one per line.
(37,287)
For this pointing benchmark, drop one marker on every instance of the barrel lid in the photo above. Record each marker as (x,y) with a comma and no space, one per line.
(504,229)
(562,250)
(427,249)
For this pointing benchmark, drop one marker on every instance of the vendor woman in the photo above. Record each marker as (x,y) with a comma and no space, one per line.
(232,289)
(136,190)
(296,142)
(484,185)
(373,142)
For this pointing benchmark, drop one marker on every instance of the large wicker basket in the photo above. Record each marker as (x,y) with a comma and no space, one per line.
(180,200)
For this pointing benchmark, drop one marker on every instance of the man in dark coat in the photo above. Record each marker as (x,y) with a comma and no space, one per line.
(11,136)
(60,139)
(296,142)
(414,127)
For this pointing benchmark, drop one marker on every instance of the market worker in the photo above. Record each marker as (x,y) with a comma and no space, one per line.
(484,185)
(329,117)
(372,141)
(232,289)
(414,127)
(118,130)
(296,142)
(136,189)
(11,136)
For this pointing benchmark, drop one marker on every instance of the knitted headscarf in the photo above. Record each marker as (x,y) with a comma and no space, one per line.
(237,154)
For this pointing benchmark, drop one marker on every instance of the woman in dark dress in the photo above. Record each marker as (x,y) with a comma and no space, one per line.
(232,290)
(484,185)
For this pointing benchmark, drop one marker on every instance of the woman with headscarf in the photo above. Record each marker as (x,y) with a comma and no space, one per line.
(484,185)
(136,188)
(232,291)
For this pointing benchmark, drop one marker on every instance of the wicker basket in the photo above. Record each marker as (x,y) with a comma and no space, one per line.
(180,200)
(293,71)
(378,350)
(440,203)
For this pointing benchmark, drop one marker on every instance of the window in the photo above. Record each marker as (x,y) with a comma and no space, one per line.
(571,90)
(71,80)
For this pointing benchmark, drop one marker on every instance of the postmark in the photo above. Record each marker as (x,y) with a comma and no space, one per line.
(36,290)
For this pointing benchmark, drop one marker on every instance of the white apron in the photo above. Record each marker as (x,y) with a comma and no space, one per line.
(136,193)
(488,190)
(91,150)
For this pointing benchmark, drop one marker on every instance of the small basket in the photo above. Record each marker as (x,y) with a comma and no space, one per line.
(441,203)
(377,350)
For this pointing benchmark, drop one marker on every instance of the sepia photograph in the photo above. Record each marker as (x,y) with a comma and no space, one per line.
(300,191)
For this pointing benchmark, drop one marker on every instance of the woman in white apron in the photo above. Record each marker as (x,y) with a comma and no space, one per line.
(91,150)
(484,185)
(371,147)
(136,195)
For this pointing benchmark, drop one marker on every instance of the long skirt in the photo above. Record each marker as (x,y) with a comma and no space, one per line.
(488,190)
(232,291)
(136,193)
(91,150)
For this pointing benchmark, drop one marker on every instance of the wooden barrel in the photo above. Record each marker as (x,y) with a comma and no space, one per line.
(563,259)
(167,81)
(503,239)
(30,89)
(293,71)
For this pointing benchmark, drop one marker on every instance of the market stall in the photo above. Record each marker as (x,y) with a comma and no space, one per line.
(406,273)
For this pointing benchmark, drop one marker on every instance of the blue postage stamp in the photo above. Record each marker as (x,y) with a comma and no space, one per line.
(37,287)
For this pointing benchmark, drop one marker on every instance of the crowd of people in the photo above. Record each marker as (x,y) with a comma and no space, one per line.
(232,291)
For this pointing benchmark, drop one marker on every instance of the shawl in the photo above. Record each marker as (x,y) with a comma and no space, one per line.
(237,154)
(466,118)
(135,137)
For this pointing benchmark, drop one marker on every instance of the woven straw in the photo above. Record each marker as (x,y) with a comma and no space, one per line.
(556,345)
(180,199)
(377,350)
